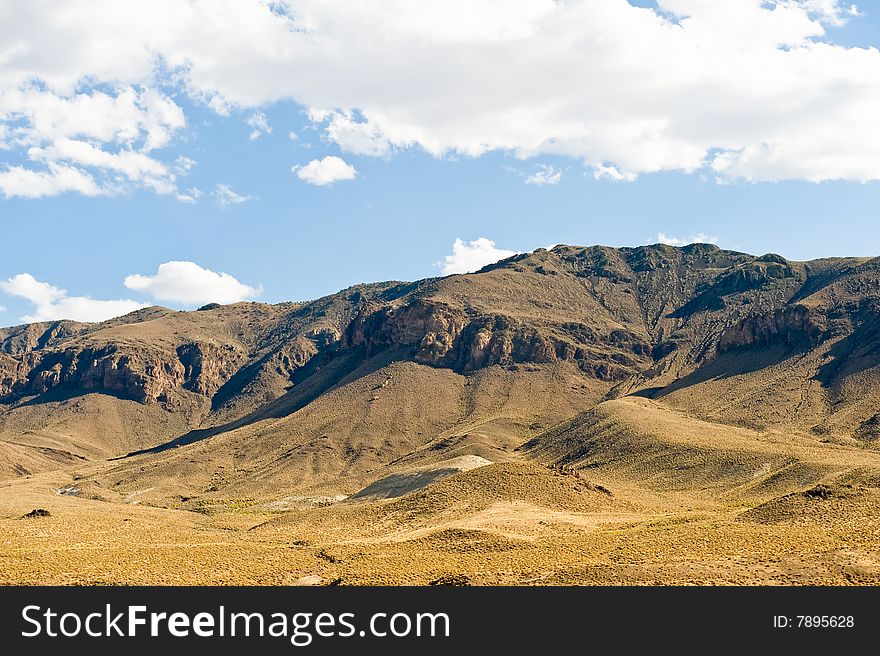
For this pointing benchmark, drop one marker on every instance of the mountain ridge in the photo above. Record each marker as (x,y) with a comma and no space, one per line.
(579,414)
(634,320)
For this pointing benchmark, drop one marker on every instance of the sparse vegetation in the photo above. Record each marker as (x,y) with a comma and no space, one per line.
(579,415)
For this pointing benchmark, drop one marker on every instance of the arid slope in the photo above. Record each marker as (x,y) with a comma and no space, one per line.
(577,415)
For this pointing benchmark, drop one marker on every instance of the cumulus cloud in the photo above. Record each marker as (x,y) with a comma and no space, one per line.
(611,172)
(183,165)
(136,167)
(177,282)
(259,125)
(357,137)
(127,115)
(93,136)
(472,256)
(831,11)
(190,284)
(52,303)
(225,196)
(190,196)
(20,182)
(325,171)
(750,89)
(698,238)
(544,175)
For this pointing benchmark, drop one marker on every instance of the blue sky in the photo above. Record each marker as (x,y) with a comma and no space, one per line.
(410,197)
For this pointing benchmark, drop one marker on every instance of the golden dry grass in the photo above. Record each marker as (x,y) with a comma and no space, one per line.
(518,522)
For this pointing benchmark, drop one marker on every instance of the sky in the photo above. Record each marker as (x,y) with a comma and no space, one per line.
(180,153)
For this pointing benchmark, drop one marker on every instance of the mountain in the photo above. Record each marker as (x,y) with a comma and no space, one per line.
(657,370)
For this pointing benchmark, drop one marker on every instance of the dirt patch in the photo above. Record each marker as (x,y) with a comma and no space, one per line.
(822,492)
(451,580)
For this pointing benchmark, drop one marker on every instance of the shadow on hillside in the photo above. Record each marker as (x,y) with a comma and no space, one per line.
(736,362)
(65,393)
(648,392)
(323,378)
(397,485)
(853,354)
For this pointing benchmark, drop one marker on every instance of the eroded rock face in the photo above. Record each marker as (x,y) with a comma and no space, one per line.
(12,372)
(32,336)
(208,366)
(138,374)
(432,328)
(792,325)
(447,337)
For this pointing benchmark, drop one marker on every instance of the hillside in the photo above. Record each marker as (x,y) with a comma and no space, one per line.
(683,380)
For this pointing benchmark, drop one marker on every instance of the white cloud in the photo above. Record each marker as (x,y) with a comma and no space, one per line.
(218,104)
(357,137)
(225,196)
(183,165)
(190,284)
(130,115)
(190,196)
(698,238)
(17,181)
(472,256)
(610,172)
(747,88)
(853,10)
(325,171)
(52,303)
(101,134)
(544,175)
(259,125)
(2,308)
(832,12)
(135,166)
(179,282)
(293,136)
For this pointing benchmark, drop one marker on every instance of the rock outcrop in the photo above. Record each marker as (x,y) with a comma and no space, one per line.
(795,325)
(138,374)
(443,336)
